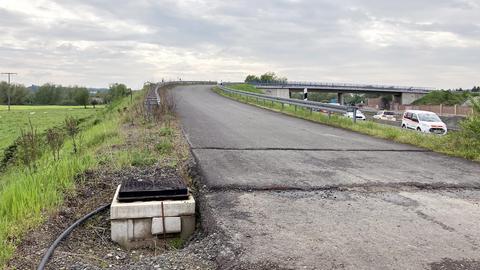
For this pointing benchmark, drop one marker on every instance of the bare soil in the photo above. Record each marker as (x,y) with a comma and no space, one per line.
(90,243)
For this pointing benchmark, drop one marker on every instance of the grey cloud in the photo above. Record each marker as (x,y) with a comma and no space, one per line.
(309,39)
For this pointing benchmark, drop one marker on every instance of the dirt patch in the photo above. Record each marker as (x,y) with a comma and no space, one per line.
(89,246)
(90,243)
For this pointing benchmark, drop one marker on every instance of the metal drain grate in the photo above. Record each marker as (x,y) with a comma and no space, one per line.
(171,188)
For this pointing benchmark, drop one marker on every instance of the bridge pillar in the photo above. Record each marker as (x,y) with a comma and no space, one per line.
(409,98)
(282,92)
(397,99)
(340,98)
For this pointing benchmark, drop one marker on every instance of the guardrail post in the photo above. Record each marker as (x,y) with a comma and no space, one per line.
(295,108)
(283,105)
(354,114)
(329,114)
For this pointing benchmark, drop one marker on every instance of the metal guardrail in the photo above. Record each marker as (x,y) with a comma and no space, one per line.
(346,86)
(311,105)
(153,97)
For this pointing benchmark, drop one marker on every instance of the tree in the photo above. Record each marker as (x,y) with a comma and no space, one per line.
(20,95)
(476,89)
(94,102)
(354,99)
(4,92)
(81,96)
(118,90)
(48,94)
(269,77)
(252,79)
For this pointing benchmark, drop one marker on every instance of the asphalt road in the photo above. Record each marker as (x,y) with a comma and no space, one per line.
(291,194)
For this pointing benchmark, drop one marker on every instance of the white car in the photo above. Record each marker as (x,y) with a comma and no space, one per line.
(385,115)
(359,114)
(423,121)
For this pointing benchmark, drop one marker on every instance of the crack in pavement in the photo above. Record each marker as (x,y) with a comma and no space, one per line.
(308,149)
(369,187)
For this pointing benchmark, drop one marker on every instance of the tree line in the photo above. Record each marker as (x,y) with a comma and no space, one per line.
(53,94)
(269,77)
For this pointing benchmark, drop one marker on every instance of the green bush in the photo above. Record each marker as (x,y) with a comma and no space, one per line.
(470,131)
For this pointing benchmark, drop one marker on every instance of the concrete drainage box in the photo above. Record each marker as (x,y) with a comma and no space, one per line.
(143,211)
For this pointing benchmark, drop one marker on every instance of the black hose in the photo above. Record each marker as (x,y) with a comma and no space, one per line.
(65,233)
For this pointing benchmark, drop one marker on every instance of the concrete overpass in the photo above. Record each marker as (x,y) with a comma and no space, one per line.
(401,94)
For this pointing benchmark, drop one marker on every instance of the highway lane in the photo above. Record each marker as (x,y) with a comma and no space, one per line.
(296,194)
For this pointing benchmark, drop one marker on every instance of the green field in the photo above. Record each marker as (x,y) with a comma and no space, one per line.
(42,118)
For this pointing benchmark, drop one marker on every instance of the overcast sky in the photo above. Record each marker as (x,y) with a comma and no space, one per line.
(410,42)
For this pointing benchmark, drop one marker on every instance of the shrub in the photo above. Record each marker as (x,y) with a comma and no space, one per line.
(28,147)
(72,128)
(54,137)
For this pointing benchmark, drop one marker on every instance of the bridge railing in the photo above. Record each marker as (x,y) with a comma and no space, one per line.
(310,105)
(153,97)
(349,86)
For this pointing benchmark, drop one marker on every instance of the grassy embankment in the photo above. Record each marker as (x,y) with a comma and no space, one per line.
(449,98)
(246,88)
(28,197)
(465,144)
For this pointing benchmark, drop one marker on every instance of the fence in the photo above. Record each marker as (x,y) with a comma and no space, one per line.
(438,109)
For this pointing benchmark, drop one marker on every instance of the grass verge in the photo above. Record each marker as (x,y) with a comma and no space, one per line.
(28,196)
(454,143)
(123,142)
(246,87)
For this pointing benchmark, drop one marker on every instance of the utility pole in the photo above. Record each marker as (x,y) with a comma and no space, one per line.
(8,91)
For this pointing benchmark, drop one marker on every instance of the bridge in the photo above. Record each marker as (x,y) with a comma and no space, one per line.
(401,94)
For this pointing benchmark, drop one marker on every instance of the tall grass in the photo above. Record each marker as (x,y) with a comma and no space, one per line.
(465,144)
(27,197)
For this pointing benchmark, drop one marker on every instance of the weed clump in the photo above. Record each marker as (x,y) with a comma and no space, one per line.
(165,146)
(166,131)
(142,158)
(28,147)
(72,128)
(55,138)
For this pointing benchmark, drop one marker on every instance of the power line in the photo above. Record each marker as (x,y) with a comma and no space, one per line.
(8,92)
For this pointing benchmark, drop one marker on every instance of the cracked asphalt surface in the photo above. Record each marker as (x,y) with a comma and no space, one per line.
(292,194)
